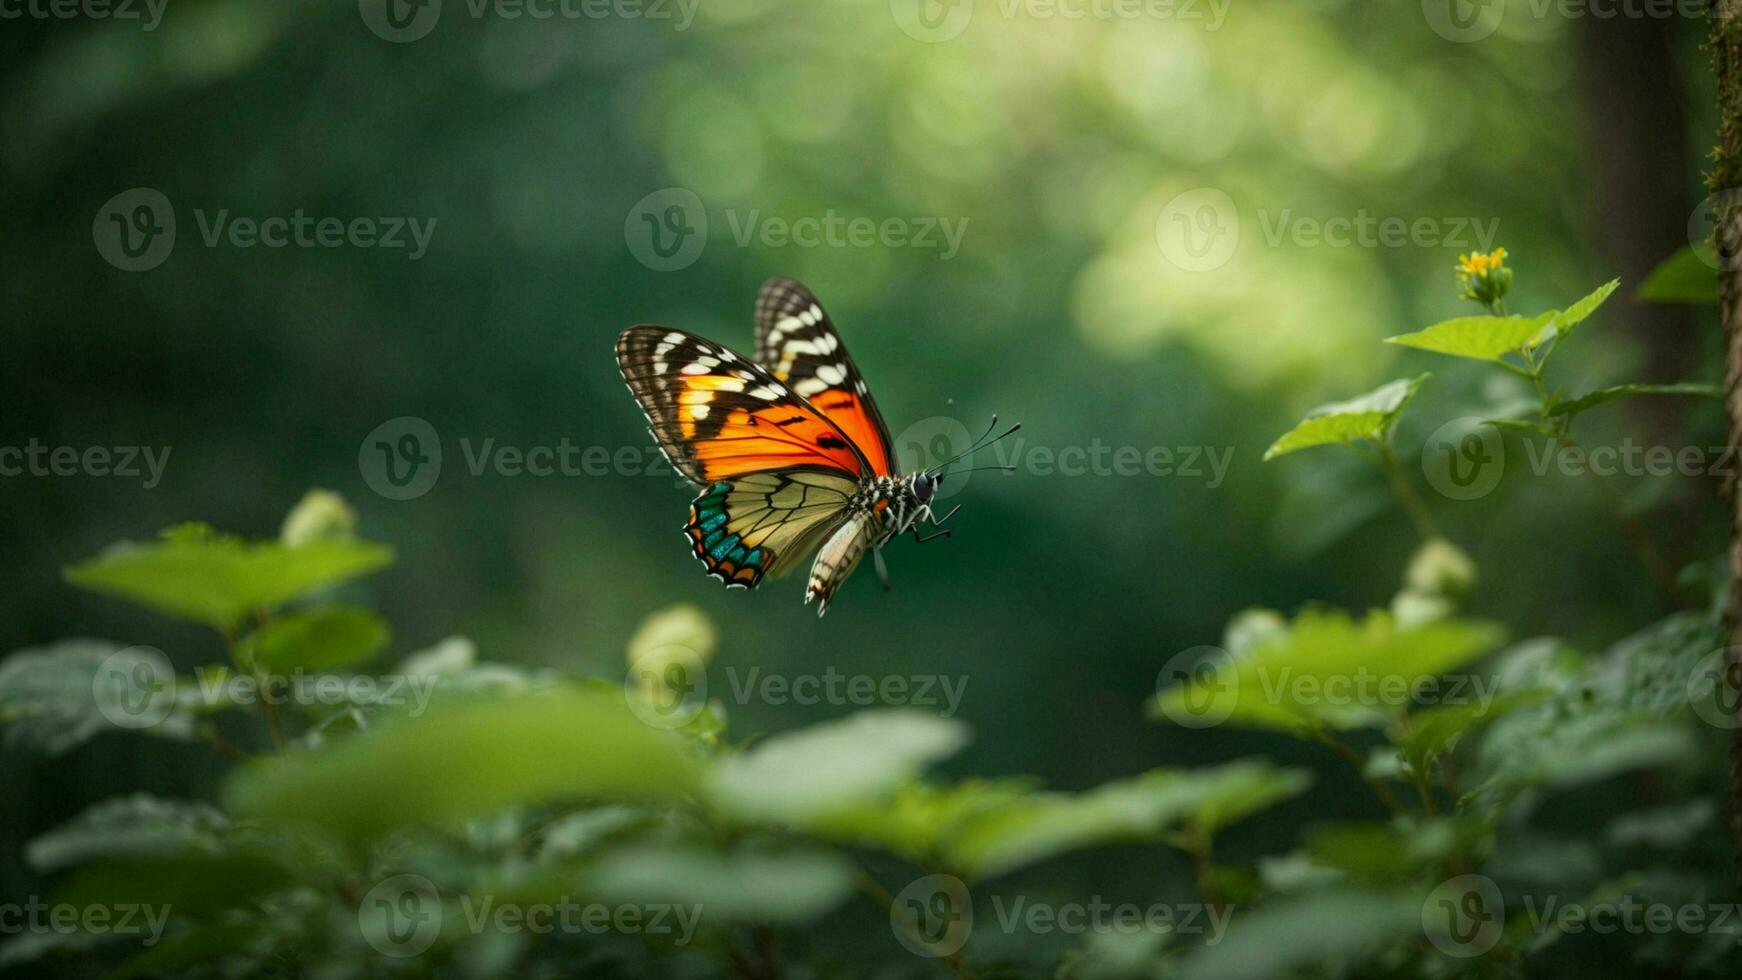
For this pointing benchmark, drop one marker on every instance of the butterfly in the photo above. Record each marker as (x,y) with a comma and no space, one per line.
(788,447)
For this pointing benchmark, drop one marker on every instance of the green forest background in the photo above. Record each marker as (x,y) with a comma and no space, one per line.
(531,142)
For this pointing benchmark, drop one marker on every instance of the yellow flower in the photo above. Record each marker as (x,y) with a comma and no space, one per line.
(1477,264)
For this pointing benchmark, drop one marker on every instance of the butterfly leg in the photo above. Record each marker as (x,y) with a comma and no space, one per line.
(882,569)
(935,523)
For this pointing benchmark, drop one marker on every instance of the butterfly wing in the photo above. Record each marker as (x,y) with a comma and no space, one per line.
(764,524)
(797,343)
(839,555)
(718,415)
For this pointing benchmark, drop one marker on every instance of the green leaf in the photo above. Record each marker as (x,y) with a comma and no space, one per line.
(783,886)
(200,946)
(1302,930)
(1383,852)
(191,885)
(799,776)
(1566,320)
(469,758)
(1484,338)
(1044,825)
(1432,731)
(919,820)
(56,697)
(139,825)
(1592,399)
(1327,671)
(217,580)
(317,640)
(1688,276)
(1366,417)
(1226,794)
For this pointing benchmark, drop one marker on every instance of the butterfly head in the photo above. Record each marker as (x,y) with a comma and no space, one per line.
(924,485)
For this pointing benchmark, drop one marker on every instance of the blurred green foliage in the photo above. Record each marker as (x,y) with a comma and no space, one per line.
(529,143)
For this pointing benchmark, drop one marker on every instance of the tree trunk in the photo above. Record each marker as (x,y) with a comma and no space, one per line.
(1726,45)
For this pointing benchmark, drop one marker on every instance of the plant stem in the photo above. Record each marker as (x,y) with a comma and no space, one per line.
(1202,850)
(1350,756)
(1412,504)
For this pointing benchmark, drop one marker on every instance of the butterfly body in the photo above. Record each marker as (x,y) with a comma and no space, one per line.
(789,448)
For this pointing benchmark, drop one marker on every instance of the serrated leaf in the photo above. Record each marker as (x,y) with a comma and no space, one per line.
(1483,338)
(1592,399)
(139,825)
(1328,671)
(217,580)
(1304,929)
(1688,276)
(1432,731)
(798,776)
(784,886)
(1366,417)
(51,701)
(1566,320)
(317,640)
(469,758)
(1043,825)
(1392,851)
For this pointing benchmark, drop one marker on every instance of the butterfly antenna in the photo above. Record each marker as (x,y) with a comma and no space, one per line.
(978,444)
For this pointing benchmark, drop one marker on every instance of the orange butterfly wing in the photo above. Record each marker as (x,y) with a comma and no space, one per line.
(799,346)
(718,415)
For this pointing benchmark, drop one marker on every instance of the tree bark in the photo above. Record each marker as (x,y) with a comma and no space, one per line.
(1726,46)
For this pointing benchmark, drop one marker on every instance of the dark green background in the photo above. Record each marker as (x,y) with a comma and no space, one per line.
(530,142)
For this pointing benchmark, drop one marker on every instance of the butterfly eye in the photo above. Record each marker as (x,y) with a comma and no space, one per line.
(923,486)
